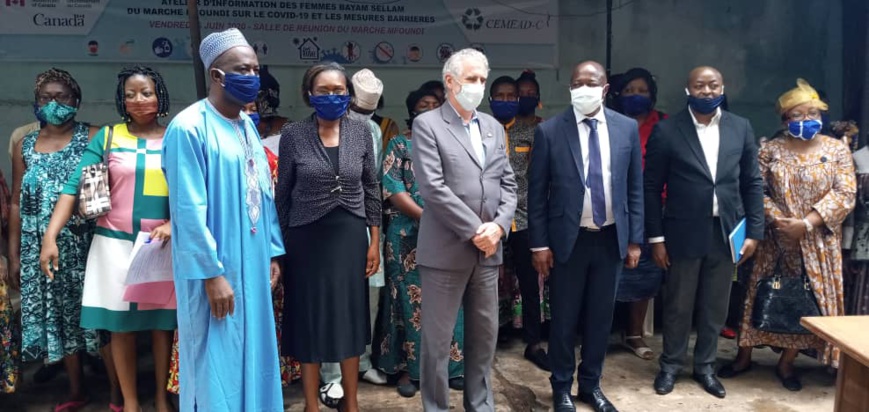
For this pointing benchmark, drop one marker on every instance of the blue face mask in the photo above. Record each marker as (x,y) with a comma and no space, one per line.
(705,106)
(805,129)
(56,113)
(255,118)
(527,105)
(330,106)
(242,88)
(504,111)
(635,105)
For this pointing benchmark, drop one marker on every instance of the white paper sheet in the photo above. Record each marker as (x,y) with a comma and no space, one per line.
(150,261)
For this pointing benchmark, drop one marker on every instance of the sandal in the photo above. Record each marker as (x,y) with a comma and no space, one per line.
(116,408)
(791,383)
(71,406)
(643,352)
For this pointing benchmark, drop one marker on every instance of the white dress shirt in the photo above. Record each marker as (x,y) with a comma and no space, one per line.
(710,141)
(587,219)
(473,129)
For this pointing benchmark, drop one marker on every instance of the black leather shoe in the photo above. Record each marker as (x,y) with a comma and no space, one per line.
(597,400)
(407,390)
(457,384)
(561,402)
(664,382)
(538,357)
(711,384)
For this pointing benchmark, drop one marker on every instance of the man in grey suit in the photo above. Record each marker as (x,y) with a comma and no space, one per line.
(461,167)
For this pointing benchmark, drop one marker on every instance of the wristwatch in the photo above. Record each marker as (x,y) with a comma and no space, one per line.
(809,226)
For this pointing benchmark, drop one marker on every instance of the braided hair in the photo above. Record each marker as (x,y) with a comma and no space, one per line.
(159,84)
(55,75)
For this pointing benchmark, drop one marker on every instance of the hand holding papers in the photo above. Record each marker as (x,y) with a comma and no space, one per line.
(149,279)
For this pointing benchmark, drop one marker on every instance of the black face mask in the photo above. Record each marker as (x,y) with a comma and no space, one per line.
(414,115)
(410,119)
(527,105)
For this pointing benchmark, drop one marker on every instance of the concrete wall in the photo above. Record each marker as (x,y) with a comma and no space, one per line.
(761,47)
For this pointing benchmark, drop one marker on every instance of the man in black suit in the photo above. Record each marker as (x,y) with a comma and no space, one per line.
(707,159)
(585,218)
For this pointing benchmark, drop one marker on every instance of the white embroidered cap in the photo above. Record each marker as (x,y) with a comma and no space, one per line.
(217,43)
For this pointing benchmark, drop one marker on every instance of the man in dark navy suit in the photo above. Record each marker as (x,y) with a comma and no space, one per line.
(585,212)
(707,159)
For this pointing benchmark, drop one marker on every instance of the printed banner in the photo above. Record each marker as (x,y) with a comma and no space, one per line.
(513,33)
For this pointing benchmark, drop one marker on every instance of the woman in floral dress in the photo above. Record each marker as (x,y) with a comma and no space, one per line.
(809,189)
(397,339)
(41,164)
(10,331)
(10,339)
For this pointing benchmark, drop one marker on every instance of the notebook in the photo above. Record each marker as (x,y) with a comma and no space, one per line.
(737,240)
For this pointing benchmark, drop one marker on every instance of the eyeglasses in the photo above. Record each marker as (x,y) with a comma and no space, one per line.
(60,98)
(323,92)
(798,115)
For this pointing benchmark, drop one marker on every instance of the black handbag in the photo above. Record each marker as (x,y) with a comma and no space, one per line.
(781,302)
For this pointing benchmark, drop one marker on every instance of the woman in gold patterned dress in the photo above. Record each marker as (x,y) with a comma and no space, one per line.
(809,189)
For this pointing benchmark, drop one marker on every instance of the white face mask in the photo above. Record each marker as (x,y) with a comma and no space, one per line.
(364,118)
(471,95)
(587,99)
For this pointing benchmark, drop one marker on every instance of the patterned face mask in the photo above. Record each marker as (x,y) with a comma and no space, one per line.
(56,113)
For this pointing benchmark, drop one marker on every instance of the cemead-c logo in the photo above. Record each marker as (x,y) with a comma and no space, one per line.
(473,19)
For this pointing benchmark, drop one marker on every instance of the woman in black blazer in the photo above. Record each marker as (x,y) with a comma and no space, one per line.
(328,205)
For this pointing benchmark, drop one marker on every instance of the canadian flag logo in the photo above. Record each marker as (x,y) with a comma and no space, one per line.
(15,3)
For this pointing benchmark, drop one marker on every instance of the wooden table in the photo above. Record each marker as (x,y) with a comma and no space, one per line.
(851,335)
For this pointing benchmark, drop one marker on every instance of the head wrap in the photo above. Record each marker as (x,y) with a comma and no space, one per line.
(412,99)
(215,44)
(269,98)
(803,93)
(368,89)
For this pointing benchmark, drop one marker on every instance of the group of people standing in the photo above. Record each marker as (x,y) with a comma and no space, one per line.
(334,225)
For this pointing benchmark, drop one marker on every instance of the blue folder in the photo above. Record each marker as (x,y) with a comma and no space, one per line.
(737,239)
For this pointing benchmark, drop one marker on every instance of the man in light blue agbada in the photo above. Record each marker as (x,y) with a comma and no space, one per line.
(225,240)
